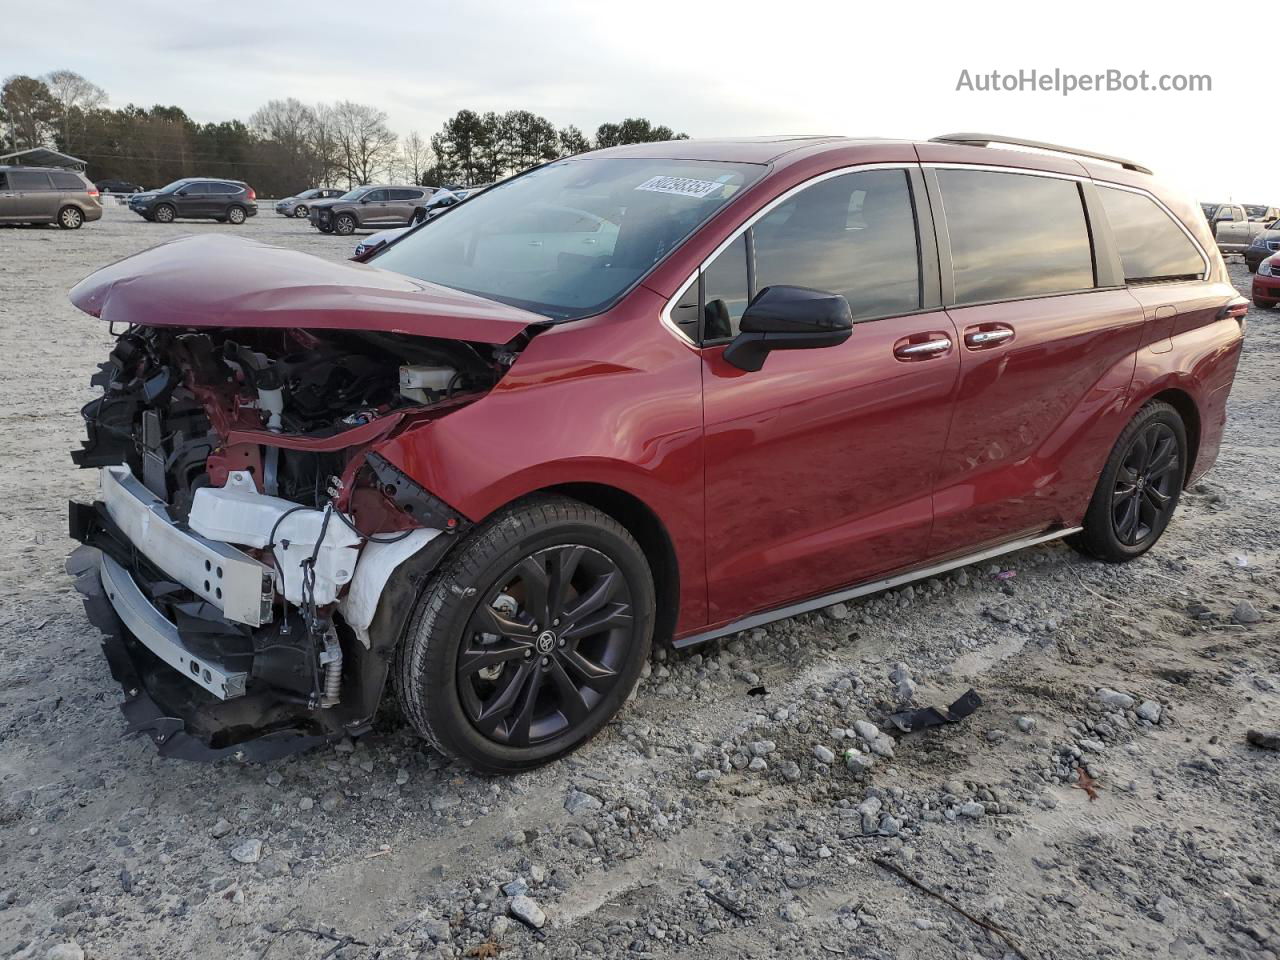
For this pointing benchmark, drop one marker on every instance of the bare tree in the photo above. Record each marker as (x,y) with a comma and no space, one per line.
(286,131)
(75,96)
(415,154)
(366,145)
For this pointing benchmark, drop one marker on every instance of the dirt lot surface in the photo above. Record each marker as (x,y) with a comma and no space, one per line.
(708,820)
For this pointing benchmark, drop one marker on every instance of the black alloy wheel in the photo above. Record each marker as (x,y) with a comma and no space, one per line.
(545,646)
(1139,487)
(529,637)
(1146,484)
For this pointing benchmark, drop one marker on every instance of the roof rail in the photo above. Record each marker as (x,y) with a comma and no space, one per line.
(986,139)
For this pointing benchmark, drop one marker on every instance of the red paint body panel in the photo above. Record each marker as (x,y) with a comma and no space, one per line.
(1032,415)
(220,281)
(820,466)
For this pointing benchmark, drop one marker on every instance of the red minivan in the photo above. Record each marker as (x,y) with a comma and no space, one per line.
(656,393)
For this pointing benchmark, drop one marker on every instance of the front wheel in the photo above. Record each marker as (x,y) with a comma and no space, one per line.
(1139,489)
(344,224)
(300,212)
(164,214)
(530,637)
(1253,267)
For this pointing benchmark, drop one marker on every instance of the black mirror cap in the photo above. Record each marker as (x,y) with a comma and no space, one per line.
(783,317)
(782,308)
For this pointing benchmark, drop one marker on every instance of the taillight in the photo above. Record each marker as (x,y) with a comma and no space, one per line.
(93,191)
(252,195)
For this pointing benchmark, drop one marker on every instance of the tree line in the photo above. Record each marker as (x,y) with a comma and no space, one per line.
(286,145)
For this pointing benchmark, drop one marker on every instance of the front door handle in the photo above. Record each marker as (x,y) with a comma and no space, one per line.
(935,346)
(985,337)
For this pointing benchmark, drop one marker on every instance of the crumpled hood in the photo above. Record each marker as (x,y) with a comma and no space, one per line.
(222,281)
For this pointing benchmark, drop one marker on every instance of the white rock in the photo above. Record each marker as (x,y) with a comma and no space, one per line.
(65,951)
(1114,699)
(1150,711)
(823,754)
(972,809)
(866,730)
(247,851)
(526,910)
(579,801)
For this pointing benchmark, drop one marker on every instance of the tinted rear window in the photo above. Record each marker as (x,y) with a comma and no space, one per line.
(1152,247)
(67,181)
(1015,235)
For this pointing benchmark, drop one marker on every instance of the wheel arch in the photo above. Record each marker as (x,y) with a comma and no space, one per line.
(650,533)
(1185,404)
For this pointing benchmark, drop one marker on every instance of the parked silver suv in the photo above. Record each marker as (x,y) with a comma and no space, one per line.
(374,205)
(47,195)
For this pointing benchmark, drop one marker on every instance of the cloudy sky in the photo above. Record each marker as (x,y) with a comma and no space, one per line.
(708,68)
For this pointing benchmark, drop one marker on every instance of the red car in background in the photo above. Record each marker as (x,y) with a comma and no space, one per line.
(662,392)
(1266,283)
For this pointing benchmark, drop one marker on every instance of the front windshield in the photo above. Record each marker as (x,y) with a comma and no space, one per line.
(355,194)
(568,239)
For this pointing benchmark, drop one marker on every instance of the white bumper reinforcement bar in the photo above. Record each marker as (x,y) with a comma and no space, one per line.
(234,582)
(160,636)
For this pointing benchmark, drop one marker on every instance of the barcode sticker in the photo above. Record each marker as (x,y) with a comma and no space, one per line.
(681,186)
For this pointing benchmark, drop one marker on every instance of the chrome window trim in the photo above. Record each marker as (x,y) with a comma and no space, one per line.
(675,330)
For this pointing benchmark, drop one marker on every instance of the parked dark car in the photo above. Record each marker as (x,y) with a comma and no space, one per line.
(47,195)
(657,393)
(1263,245)
(197,198)
(118,186)
(300,206)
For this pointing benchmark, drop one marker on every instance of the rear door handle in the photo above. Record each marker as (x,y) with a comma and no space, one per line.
(987,336)
(935,346)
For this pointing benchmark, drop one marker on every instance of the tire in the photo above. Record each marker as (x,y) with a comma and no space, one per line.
(237,215)
(1253,267)
(325,228)
(164,213)
(344,224)
(1265,303)
(300,212)
(461,704)
(1139,488)
(70,218)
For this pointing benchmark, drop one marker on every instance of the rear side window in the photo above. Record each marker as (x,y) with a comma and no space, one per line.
(28,180)
(1015,235)
(1152,247)
(854,235)
(67,181)
(405,194)
(220,186)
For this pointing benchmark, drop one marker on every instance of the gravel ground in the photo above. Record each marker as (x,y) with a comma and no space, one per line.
(1103,802)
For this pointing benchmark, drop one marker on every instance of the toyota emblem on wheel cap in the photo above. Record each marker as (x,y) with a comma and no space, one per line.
(546,641)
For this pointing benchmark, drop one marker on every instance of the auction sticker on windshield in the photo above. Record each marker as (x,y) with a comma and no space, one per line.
(681,186)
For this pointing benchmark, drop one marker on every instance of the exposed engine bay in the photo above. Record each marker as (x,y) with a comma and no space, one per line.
(248,528)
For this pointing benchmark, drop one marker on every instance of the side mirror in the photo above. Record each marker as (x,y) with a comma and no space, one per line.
(783,317)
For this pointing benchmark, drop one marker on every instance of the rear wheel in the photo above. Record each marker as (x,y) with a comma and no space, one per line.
(70,218)
(236,215)
(1139,488)
(164,214)
(300,211)
(344,224)
(1265,303)
(530,637)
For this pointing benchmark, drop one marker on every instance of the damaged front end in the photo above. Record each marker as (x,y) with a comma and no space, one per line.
(252,557)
